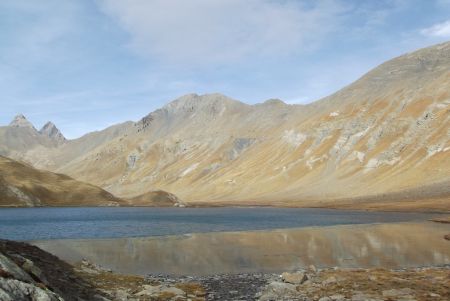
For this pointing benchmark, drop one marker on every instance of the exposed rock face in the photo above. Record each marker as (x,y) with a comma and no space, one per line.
(29,273)
(51,131)
(387,132)
(20,136)
(21,121)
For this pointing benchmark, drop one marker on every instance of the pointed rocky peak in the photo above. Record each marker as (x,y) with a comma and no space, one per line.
(21,121)
(51,131)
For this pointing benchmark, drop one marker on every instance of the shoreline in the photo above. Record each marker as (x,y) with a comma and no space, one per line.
(347,246)
(26,269)
(202,205)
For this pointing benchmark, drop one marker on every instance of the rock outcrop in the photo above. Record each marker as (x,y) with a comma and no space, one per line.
(28,273)
(51,131)
(21,121)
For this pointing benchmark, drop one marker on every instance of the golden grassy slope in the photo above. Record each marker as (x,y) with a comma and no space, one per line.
(24,186)
(157,198)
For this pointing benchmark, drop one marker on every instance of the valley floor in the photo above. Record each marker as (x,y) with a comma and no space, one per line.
(373,203)
(428,198)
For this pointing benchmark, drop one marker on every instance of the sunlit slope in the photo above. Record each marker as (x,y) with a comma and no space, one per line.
(389,131)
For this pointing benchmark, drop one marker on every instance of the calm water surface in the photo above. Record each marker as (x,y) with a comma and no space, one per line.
(379,245)
(78,223)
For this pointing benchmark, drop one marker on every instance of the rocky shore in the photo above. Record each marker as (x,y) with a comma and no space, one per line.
(29,273)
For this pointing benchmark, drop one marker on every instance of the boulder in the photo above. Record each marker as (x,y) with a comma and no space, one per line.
(294,278)
(13,290)
(278,291)
(10,267)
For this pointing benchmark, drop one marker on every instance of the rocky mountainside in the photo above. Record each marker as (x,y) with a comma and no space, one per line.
(51,131)
(388,133)
(20,136)
(24,186)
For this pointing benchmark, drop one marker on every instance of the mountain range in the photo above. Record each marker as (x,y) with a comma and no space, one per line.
(382,142)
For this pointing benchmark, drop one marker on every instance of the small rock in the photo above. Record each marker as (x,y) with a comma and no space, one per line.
(329,280)
(337,297)
(312,269)
(173,290)
(149,290)
(398,292)
(373,278)
(364,297)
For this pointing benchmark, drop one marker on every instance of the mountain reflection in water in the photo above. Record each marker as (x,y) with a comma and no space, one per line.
(382,245)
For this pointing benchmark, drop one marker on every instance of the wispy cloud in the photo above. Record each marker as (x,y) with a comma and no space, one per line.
(223,31)
(86,64)
(438,30)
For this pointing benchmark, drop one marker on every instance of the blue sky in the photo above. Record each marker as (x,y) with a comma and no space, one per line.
(89,64)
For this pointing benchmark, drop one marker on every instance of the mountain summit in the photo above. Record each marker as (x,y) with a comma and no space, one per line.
(21,121)
(51,131)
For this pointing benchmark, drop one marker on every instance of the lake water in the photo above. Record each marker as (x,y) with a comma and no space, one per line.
(107,222)
(380,245)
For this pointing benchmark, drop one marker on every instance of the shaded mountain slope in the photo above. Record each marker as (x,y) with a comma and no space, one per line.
(157,198)
(24,186)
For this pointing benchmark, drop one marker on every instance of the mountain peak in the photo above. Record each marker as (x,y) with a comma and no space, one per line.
(274,102)
(193,102)
(21,121)
(50,130)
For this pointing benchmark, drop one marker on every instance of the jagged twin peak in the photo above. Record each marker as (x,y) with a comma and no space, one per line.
(21,121)
(49,129)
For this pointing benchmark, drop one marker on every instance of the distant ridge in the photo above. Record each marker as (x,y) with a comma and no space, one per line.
(386,133)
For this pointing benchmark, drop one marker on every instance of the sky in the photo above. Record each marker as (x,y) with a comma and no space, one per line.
(88,64)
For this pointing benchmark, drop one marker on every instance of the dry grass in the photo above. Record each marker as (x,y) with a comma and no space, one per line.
(374,281)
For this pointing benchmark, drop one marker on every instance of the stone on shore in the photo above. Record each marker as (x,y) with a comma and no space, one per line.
(294,278)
